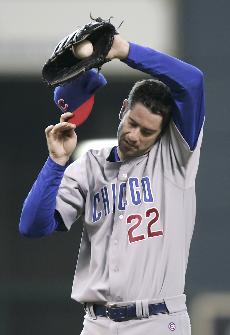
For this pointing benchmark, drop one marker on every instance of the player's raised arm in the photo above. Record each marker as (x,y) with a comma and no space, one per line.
(184,80)
(38,217)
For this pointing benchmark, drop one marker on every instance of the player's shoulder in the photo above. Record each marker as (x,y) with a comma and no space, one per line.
(175,151)
(174,137)
(102,153)
(91,155)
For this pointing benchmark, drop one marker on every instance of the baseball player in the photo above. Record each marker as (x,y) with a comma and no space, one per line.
(136,200)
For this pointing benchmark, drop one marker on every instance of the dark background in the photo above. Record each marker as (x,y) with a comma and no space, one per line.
(36,274)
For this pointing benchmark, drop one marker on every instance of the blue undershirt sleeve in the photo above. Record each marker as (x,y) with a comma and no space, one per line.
(39,217)
(185,82)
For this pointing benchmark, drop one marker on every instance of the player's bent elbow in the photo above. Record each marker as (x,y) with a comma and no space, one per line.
(31,231)
(27,232)
(197,79)
(200,77)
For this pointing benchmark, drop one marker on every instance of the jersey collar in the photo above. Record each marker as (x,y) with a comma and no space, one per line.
(113,156)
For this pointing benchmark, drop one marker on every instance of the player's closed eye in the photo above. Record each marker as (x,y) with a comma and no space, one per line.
(144,132)
(133,124)
(147,133)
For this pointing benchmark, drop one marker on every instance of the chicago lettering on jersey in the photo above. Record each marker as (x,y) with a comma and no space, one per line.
(113,197)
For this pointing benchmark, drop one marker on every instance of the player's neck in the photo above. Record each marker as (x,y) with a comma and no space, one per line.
(120,154)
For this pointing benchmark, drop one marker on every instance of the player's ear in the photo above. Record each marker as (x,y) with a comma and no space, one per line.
(124,109)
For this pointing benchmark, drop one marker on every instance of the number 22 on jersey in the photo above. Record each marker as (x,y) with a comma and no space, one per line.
(135,220)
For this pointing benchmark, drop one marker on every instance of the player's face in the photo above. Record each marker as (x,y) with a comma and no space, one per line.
(138,131)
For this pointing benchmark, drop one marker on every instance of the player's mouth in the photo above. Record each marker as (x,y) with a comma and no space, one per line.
(128,145)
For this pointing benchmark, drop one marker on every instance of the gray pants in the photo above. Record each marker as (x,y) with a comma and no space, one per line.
(163,324)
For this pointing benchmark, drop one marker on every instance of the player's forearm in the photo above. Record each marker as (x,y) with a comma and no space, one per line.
(37,217)
(172,71)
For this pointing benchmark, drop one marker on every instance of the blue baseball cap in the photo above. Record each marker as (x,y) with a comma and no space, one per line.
(77,96)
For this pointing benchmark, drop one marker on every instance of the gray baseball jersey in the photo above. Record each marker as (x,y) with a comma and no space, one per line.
(138,218)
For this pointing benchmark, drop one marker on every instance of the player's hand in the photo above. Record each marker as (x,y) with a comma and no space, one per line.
(61,139)
(119,49)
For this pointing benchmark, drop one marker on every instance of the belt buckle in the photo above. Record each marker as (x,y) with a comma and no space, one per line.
(116,313)
(108,309)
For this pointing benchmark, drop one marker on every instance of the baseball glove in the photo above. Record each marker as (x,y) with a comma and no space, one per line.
(63,65)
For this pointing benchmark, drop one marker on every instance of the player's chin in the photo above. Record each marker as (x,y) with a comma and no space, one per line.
(129,151)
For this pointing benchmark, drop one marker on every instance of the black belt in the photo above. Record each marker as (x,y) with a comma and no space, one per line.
(128,312)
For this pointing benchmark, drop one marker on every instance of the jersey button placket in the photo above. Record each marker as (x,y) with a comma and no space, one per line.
(114,253)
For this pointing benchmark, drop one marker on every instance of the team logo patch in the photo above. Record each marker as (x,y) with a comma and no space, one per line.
(62,105)
(172,326)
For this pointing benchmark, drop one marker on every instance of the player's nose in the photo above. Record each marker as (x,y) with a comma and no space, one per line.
(134,135)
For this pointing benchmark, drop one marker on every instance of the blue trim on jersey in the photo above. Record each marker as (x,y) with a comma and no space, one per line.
(113,155)
(38,213)
(185,82)
(116,156)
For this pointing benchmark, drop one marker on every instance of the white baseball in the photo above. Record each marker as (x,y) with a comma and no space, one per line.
(83,49)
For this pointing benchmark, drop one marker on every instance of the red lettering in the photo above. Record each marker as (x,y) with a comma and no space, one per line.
(136,220)
(154,220)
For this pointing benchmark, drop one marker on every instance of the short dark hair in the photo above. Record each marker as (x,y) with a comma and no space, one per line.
(155,96)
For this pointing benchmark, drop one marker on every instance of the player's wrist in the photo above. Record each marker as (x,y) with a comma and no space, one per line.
(120,48)
(124,51)
(60,160)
